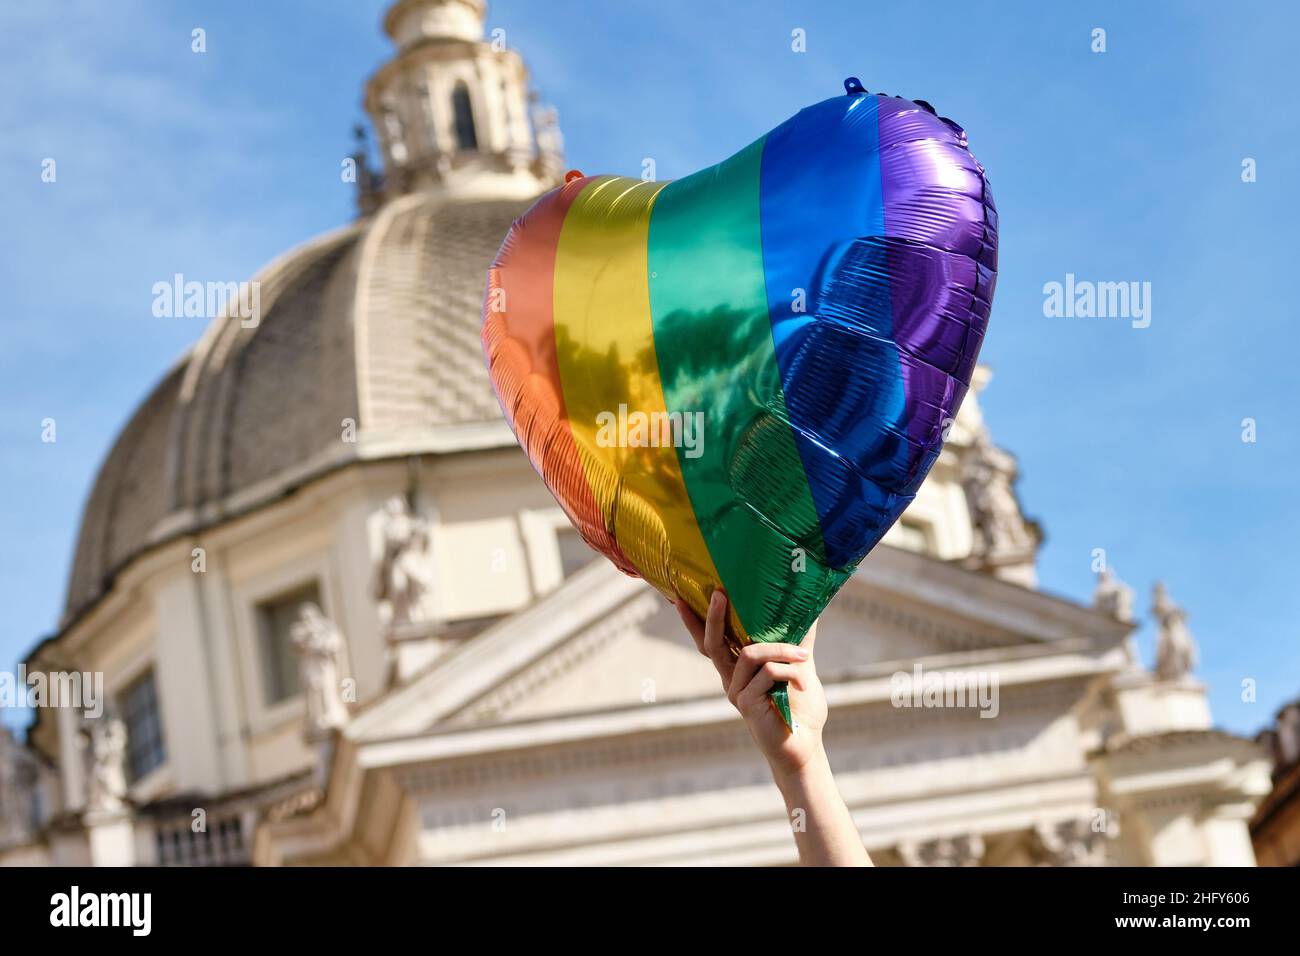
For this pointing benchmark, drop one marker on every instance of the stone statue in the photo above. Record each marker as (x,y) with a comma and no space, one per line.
(1068,843)
(17,791)
(1175,649)
(404,576)
(998,526)
(1113,596)
(966,849)
(319,645)
(550,141)
(105,740)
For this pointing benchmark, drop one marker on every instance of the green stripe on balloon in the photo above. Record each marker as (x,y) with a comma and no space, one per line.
(713,339)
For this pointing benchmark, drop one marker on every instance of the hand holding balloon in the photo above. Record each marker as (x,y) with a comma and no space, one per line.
(748,677)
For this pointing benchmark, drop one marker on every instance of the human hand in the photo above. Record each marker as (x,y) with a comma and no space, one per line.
(747,678)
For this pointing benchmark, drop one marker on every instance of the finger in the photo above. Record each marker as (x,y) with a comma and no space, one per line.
(755,656)
(694,626)
(715,638)
(755,693)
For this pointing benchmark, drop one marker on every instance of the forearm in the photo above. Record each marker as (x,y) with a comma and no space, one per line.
(824,831)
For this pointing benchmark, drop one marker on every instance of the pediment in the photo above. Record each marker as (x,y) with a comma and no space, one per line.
(603,642)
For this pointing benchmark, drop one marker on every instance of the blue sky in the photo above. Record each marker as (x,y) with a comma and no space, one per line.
(1115,166)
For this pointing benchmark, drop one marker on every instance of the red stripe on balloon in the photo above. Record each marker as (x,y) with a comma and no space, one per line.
(519,341)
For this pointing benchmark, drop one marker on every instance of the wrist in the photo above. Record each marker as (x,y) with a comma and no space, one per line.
(796,777)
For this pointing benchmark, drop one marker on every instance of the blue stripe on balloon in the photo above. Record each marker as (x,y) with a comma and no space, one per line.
(823,232)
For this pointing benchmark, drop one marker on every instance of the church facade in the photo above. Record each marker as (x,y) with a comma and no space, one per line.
(339,619)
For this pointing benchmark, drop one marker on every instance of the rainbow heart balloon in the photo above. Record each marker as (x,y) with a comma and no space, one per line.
(739,379)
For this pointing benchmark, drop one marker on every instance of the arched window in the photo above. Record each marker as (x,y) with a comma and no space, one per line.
(463,112)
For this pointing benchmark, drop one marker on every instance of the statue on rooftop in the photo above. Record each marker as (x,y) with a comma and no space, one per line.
(997,524)
(319,645)
(1175,649)
(105,742)
(1113,596)
(404,575)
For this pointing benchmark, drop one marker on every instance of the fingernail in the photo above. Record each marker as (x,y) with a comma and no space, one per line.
(715,599)
(801,653)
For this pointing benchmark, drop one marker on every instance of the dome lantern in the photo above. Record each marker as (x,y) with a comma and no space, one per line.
(452,111)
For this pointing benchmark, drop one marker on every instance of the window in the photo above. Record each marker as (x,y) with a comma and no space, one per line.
(221,844)
(275,618)
(466,138)
(145,748)
(575,553)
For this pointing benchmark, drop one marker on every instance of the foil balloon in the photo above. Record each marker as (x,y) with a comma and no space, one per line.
(739,379)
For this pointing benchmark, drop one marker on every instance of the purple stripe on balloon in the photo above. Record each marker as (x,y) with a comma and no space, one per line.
(941,252)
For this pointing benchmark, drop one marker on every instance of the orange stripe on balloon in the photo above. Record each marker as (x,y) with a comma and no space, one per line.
(519,341)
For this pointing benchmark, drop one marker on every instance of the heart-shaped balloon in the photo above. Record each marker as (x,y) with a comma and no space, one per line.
(739,379)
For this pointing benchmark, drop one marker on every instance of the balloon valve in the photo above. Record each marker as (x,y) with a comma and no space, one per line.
(853,86)
(571,175)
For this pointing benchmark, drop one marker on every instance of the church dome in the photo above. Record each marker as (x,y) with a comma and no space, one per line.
(375,324)
(365,343)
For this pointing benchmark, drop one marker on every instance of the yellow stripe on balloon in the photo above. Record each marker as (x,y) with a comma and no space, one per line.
(602,327)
